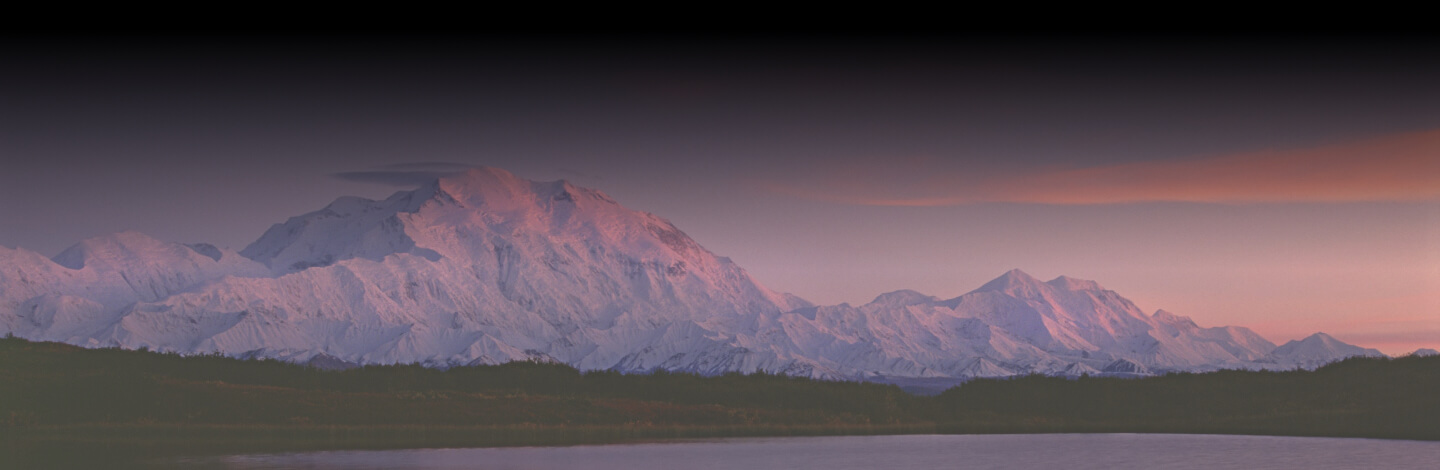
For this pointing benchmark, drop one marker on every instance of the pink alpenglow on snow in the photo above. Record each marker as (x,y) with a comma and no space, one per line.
(484,267)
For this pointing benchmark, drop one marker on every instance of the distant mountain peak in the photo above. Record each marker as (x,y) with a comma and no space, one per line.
(1020,283)
(1077,369)
(1173,319)
(1073,284)
(483,182)
(112,246)
(1011,281)
(1321,338)
(903,298)
(1017,274)
(1317,349)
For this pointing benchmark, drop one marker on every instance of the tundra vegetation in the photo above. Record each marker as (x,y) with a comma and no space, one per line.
(64,402)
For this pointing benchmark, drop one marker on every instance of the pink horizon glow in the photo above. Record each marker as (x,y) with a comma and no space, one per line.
(1288,242)
(1390,168)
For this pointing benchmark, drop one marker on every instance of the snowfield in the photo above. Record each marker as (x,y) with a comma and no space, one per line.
(485,267)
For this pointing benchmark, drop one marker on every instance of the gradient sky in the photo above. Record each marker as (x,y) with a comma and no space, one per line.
(1291,185)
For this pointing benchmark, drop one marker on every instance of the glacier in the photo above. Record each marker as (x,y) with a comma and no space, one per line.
(484,267)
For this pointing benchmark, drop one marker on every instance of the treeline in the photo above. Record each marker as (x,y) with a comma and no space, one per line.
(49,384)
(58,384)
(1356,397)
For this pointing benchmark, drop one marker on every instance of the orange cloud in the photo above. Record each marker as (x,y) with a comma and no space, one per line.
(1404,167)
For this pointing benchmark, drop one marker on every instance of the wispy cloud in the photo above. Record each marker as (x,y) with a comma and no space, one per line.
(405,174)
(1404,167)
(427,166)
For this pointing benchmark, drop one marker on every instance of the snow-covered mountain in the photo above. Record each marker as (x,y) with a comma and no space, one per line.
(486,267)
(81,296)
(1314,351)
(1017,324)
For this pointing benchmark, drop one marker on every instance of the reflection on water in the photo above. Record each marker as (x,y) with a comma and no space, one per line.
(1069,451)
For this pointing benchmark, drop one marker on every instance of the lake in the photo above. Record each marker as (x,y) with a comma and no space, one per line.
(1069,451)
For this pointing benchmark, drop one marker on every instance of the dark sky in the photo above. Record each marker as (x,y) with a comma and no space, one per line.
(834,167)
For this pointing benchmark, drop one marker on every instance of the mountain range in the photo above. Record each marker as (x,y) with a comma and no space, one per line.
(483,267)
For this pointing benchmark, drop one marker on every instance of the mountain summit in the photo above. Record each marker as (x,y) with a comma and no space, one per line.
(1315,350)
(485,267)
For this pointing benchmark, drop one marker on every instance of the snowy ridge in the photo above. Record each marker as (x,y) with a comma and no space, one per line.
(485,267)
(1314,351)
(81,294)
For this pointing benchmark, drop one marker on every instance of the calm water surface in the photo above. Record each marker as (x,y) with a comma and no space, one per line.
(1045,451)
